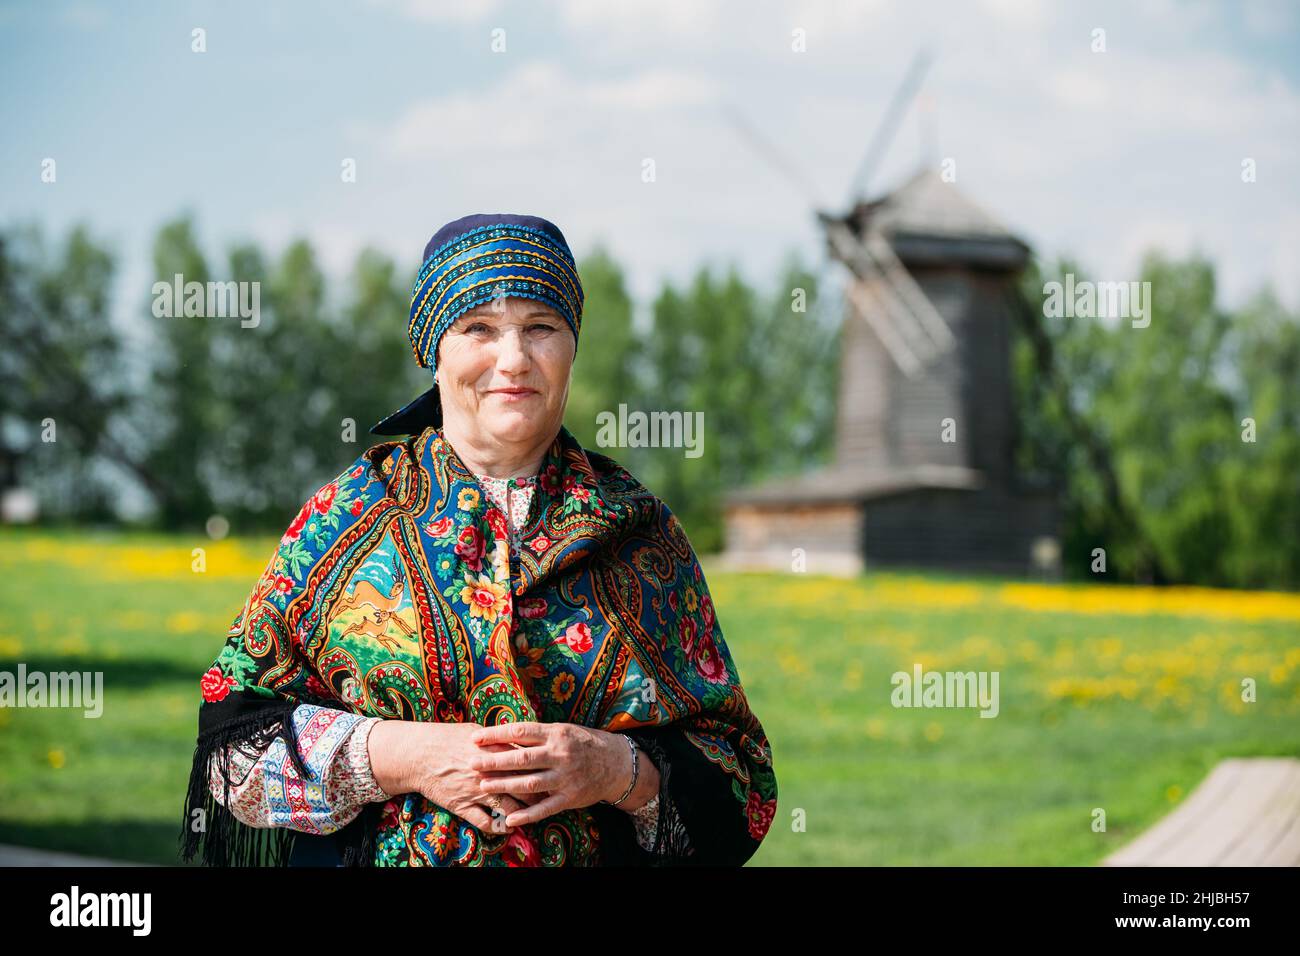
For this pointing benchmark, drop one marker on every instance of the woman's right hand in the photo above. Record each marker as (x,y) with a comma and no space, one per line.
(433,760)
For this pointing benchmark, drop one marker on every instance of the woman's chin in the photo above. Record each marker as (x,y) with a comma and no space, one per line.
(517,425)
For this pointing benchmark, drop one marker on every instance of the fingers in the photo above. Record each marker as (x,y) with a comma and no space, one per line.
(509,804)
(520,783)
(553,804)
(498,748)
(525,758)
(476,816)
(520,732)
(491,818)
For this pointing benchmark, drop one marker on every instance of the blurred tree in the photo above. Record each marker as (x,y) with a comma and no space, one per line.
(376,367)
(1262,477)
(62,363)
(604,372)
(794,354)
(1143,428)
(762,372)
(1178,444)
(183,419)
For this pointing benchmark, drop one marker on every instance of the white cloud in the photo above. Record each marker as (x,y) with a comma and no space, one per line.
(86,16)
(1095,154)
(1269,19)
(445,11)
(1022,14)
(561,115)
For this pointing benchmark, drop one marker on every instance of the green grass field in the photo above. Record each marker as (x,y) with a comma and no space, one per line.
(1110,697)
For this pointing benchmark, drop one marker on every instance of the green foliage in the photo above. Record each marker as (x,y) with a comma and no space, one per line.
(606,358)
(762,373)
(1168,402)
(62,363)
(210,416)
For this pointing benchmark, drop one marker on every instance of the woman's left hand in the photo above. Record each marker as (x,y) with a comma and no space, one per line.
(574,766)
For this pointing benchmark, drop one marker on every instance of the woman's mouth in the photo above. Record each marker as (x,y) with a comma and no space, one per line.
(514,394)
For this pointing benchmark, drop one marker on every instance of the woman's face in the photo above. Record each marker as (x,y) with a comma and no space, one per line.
(503,371)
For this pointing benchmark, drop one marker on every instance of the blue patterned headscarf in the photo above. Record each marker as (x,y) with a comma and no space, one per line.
(473,260)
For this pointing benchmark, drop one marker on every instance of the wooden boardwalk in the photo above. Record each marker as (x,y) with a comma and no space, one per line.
(1245,813)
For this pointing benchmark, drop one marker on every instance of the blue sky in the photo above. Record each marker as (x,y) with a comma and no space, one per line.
(1096,154)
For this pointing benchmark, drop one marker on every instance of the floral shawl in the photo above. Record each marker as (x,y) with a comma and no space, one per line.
(395,593)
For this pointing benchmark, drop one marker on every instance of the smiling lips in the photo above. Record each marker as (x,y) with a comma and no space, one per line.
(514,394)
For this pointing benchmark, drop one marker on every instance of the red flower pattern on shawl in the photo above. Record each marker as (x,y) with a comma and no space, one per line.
(325,497)
(469,545)
(215,685)
(577,636)
(497,522)
(298,523)
(760,813)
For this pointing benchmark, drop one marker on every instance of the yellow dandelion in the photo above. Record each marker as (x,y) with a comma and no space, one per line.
(73,645)
(1173,793)
(1110,647)
(853,676)
(184,622)
(1142,601)
(933,731)
(56,759)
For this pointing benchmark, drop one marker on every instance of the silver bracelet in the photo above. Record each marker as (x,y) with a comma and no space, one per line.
(636,767)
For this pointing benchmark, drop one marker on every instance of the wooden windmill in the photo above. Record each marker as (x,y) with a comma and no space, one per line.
(926,428)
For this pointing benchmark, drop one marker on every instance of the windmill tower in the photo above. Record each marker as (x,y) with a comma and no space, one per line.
(926,427)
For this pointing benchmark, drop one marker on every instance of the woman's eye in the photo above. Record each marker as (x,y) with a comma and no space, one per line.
(476,327)
(543,327)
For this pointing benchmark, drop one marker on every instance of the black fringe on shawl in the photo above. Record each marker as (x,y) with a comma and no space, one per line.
(668,849)
(224,839)
(357,839)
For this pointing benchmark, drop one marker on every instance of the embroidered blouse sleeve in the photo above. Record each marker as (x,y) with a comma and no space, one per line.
(267,791)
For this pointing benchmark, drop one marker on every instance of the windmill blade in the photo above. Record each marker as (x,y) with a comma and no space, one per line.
(888,298)
(875,302)
(771,154)
(904,322)
(867,307)
(889,125)
(892,268)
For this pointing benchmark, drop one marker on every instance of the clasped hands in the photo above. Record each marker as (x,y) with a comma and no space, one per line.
(526,770)
(552,767)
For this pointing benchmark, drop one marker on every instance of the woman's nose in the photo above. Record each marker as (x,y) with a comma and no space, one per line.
(512,353)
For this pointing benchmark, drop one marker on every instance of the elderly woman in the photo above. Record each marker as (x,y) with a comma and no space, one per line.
(483,644)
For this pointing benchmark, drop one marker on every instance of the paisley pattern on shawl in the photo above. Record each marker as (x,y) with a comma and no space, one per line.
(395,593)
